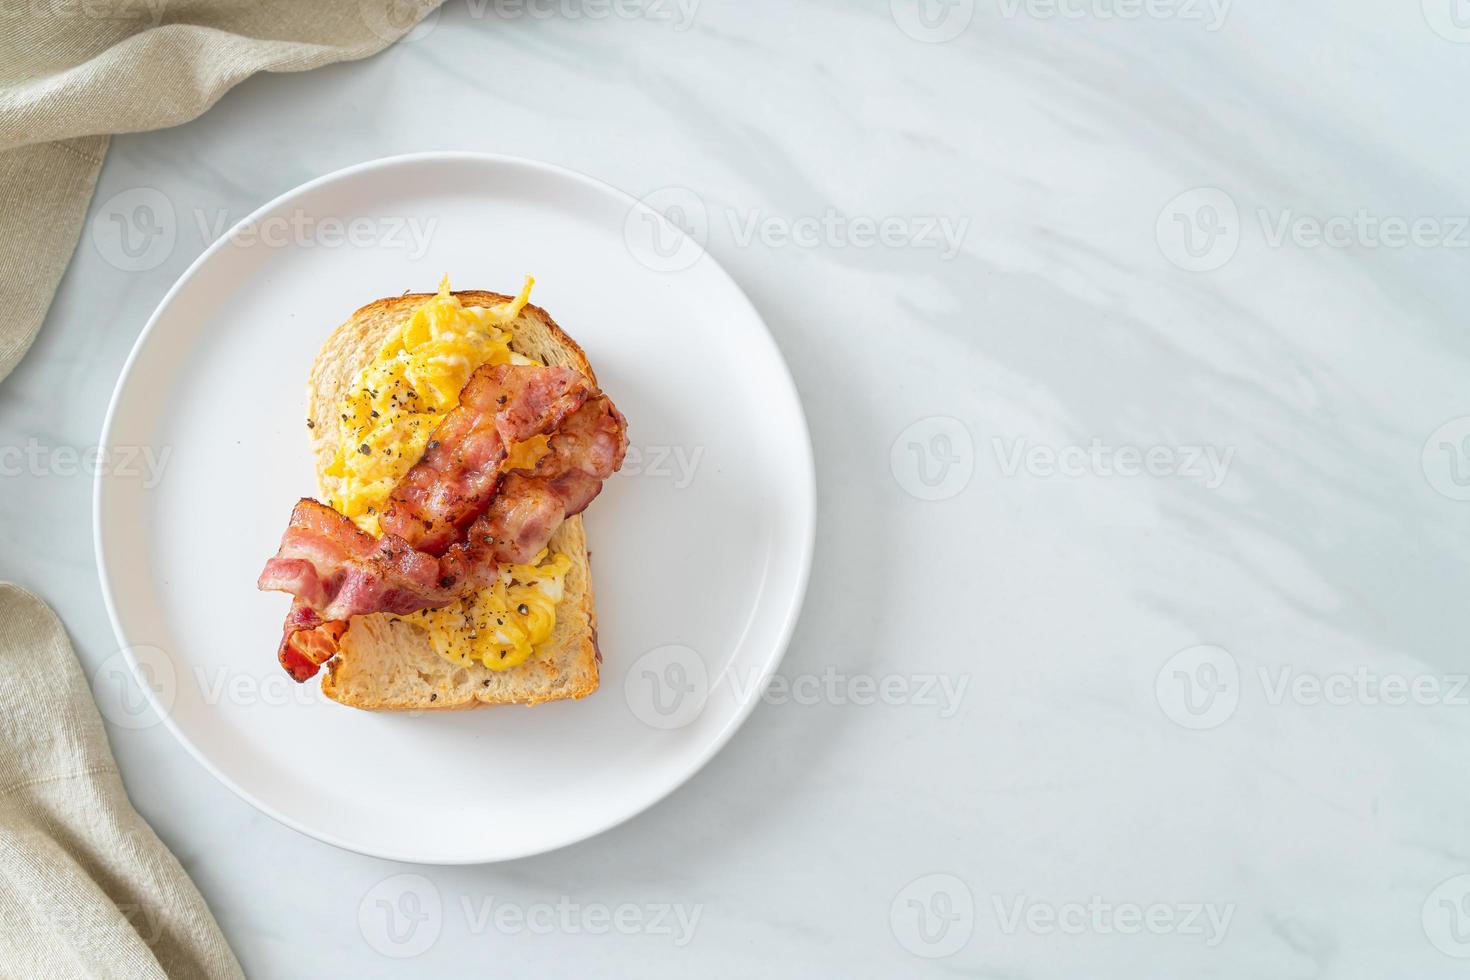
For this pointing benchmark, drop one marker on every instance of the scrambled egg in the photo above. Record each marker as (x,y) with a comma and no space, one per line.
(384,423)
(500,626)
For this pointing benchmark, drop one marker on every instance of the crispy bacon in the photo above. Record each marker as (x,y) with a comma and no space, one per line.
(340,571)
(337,571)
(307,642)
(530,506)
(458,475)
(426,559)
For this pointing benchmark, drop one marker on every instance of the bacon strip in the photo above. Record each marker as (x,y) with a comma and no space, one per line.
(307,642)
(340,571)
(337,571)
(425,559)
(530,506)
(458,475)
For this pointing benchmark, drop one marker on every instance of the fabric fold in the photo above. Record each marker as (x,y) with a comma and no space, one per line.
(128,66)
(86,888)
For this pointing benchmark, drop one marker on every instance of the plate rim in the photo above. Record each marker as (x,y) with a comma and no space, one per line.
(805,485)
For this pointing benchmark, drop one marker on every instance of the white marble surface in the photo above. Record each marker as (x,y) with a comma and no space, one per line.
(1300,514)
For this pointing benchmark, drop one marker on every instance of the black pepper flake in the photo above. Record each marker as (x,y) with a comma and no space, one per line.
(374,413)
(310,424)
(522,609)
(504,399)
(433,697)
(433,445)
(446,581)
(364,449)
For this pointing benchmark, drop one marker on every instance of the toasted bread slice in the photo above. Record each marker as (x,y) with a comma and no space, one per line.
(386,663)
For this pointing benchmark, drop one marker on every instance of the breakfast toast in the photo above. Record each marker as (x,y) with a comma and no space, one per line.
(386,662)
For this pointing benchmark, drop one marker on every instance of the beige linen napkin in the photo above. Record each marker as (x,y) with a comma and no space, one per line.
(86,888)
(73,71)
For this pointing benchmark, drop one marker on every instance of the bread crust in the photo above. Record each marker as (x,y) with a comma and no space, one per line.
(386,663)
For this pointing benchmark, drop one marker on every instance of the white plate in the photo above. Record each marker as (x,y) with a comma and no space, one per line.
(701,547)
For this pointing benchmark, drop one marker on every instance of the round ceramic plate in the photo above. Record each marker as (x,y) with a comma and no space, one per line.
(701,546)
